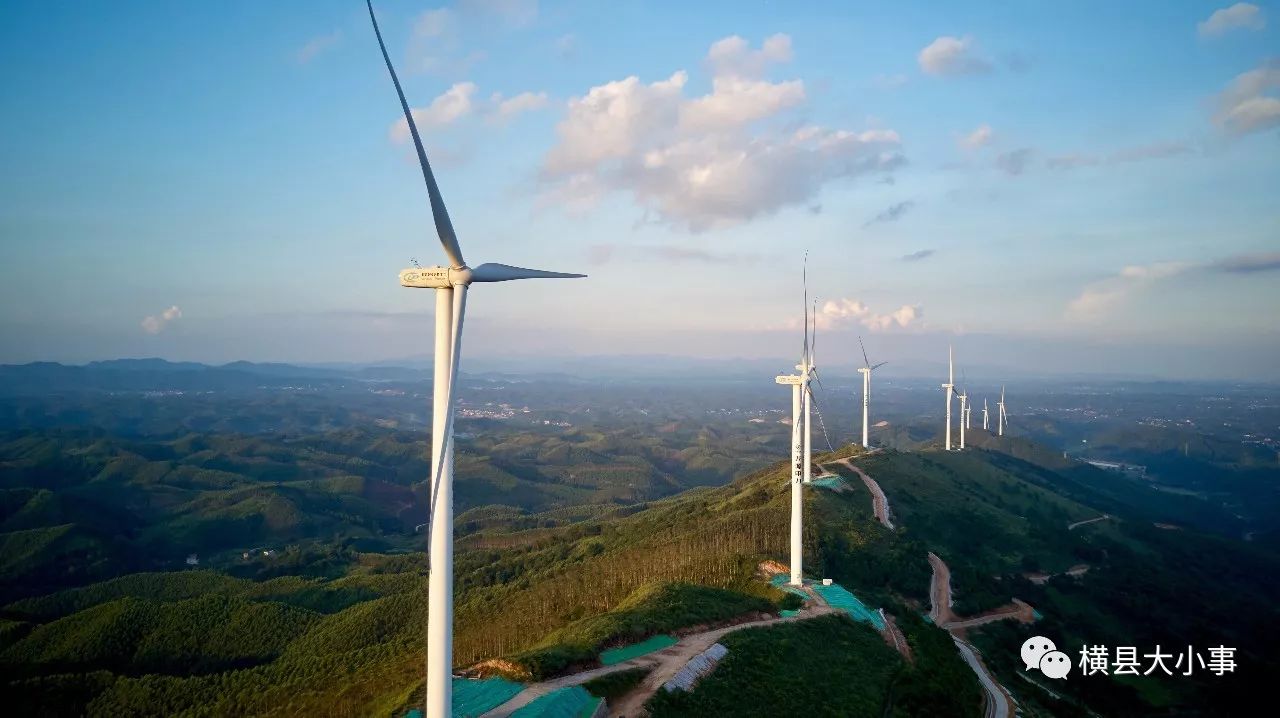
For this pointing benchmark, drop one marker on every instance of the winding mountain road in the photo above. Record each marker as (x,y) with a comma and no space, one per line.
(940,592)
(997,701)
(664,665)
(879,502)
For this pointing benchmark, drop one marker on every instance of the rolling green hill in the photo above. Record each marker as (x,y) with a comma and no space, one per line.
(549,590)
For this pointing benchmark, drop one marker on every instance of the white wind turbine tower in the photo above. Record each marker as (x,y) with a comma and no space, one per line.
(1001,418)
(985,415)
(450,284)
(800,446)
(865,370)
(950,387)
(963,396)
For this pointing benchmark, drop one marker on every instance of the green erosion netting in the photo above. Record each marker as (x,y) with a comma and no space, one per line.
(829,482)
(474,697)
(780,581)
(571,702)
(649,645)
(839,597)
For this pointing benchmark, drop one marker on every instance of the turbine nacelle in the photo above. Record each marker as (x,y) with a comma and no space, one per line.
(444,277)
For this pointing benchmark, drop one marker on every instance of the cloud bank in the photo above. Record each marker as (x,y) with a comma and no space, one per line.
(1100,299)
(1241,16)
(1245,106)
(709,161)
(837,313)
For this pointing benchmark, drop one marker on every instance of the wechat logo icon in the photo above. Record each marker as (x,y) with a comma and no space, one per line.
(1040,653)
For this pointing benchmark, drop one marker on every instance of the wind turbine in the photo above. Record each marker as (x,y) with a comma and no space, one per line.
(963,396)
(1002,418)
(985,415)
(450,284)
(865,370)
(800,446)
(950,387)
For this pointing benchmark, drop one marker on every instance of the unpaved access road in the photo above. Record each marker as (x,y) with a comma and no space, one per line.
(879,502)
(940,592)
(664,664)
(1072,527)
(997,702)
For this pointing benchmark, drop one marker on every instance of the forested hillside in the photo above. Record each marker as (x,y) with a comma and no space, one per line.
(334,624)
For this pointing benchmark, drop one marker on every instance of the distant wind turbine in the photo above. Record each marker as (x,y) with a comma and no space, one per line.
(950,387)
(985,415)
(865,370)
(450,284)
(963,396)
(1001,418)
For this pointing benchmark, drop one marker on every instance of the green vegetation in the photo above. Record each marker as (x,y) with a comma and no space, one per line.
(649,610)
(826,666)
(331,622)
(133,636)
(614,685)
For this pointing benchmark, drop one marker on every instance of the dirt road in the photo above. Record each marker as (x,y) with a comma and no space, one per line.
(1071,527)
(997,702)
(879,502)
(940,592)
(1017,610)
(664,664)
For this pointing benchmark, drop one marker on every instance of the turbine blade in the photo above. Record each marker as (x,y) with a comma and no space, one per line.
(444,228)
(877,366)
(491,272)
(865,360)
(804,278)
(813,345)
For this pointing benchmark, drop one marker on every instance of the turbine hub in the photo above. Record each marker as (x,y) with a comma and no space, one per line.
(435,277)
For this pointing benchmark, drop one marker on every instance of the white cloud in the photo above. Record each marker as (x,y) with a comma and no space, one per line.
(1242,15)
(317,46)
(1102,298)
(736,101)
(952,56)
(155,323)
(708,161)
(613,120)
(1245,107)
(836,313)
(449,107)
(733,56)
(980,137)
(506,108)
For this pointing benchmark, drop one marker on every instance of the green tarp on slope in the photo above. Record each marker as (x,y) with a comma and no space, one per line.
(571,702)
(655,643)
(474,697)
(780,581)
(839,597)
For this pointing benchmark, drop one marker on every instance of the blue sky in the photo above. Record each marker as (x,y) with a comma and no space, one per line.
(1082,186)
